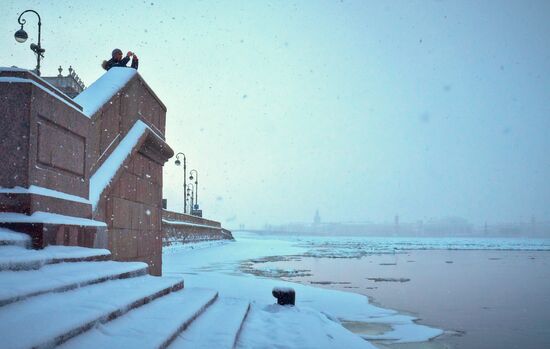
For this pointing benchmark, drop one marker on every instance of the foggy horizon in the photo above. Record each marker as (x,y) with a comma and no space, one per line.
(362,110)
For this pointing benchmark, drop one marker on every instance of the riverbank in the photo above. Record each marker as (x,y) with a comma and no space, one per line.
(429,280)
(218,267)
(484,299)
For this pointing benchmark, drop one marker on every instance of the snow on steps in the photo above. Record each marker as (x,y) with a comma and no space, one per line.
(19,285)
(154,325)
(10,237)
(50,319)
(223,319)
(20,258)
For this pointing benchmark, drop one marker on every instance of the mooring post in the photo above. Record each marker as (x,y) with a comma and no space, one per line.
(284,295)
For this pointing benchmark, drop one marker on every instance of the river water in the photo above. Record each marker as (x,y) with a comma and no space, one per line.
(482,298)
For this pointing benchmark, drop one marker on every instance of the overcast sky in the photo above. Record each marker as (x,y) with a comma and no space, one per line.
(361,109)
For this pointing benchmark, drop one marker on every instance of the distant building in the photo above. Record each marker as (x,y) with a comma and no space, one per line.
(70,84)
(396,224)
(317,218)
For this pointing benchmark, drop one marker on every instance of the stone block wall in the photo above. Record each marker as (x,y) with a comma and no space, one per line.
(43,142)
(48,142)
(135,101)
(43,138)
(132,212)
(131,205)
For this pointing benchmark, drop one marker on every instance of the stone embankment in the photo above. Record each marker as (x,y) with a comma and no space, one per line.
(180,228)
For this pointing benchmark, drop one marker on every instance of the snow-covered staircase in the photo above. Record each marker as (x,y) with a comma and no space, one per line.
(74,298)
(11,238)
(231,311)
(151,326)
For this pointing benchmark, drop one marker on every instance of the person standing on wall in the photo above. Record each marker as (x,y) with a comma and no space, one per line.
(117,60)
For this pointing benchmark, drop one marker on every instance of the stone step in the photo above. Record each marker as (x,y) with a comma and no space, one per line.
(10,237)
(223,319)
(154,325)
(19,258)
(50,319)
(61,277)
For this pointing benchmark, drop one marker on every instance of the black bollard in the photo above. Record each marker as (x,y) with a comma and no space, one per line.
(284,295)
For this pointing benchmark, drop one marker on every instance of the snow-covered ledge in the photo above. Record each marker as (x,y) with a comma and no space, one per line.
(36,190)
(105,174)
(187,224)
(49,218)
(103,89)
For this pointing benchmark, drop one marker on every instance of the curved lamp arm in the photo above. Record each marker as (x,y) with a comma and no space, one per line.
(21,36)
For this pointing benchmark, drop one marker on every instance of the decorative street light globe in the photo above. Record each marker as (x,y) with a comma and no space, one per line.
(21,35)
(178,162)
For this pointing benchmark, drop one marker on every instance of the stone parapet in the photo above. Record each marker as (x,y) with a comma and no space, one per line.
(183,217)
(43,161)
(43,137)
(180,228)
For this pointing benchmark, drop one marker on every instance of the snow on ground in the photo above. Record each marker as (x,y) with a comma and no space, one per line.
(14,238)
(304,328)
(17,257)
(218,267)
(21,284)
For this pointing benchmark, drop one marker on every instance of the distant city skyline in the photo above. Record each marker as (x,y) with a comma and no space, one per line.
(433,227)
(363,109)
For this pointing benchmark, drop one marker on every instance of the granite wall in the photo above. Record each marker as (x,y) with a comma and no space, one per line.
(180,228)
(131,206)
(43,142)
(47,142)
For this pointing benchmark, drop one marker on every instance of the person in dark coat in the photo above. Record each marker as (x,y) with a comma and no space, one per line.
(118,61)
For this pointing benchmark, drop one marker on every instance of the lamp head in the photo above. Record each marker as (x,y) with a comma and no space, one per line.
(177,162)
(191,177)
(21,35)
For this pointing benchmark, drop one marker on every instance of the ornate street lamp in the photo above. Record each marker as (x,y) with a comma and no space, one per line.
(178,163)
(196,207)
(190,194)
(22,36)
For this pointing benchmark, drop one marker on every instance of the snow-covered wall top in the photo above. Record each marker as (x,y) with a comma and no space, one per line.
(38,82)
(104,175)
(107,171)
(103,89)
(15,80)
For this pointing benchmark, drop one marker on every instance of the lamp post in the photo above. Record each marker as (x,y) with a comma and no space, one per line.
(178,163)
(190,194)
(22,36)
(196,207)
